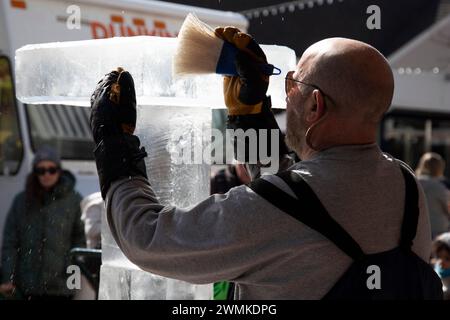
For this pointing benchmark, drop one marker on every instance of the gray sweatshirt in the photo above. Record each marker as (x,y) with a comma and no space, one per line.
(239,236)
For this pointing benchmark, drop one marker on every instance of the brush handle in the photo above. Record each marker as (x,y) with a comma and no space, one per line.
(226,64)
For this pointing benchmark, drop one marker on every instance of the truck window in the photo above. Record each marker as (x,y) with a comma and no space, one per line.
(11,150)
(66,128)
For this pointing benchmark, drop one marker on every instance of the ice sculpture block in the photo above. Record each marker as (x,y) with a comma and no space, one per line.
(67,72)
(171,113)
(161,130)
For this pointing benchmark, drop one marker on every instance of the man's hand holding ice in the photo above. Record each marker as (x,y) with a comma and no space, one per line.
(113,120)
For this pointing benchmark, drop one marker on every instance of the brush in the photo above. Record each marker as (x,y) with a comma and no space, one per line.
(201,51)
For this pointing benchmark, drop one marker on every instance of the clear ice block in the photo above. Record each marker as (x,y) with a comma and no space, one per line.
(172,113)
(67,72)
(162,130)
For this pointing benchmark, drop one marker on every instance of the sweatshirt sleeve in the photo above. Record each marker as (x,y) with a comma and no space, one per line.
(220,238)
(92,217)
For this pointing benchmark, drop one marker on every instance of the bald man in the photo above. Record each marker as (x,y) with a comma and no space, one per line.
(335,100)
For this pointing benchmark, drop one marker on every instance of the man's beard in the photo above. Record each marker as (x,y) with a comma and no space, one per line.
(295,133)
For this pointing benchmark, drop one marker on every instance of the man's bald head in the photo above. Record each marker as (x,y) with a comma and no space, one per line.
(359,84)
(354,74)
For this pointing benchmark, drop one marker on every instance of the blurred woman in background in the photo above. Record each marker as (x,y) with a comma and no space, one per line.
(43,224)
(430,173)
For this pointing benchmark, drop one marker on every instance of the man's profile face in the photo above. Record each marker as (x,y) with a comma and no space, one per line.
(296,125)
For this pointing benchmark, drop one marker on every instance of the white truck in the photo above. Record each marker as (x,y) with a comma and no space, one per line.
(23,128)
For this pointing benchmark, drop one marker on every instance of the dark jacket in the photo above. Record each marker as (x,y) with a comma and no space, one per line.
(224,180)
(38,238)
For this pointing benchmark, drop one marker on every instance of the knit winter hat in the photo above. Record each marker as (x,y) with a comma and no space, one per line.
(46,153)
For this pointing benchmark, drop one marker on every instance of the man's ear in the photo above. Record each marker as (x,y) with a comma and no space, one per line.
(317,110)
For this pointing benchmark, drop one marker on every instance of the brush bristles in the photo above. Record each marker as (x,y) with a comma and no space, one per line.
(198,48)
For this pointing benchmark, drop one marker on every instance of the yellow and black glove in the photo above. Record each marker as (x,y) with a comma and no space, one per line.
(113,120)
(245,94)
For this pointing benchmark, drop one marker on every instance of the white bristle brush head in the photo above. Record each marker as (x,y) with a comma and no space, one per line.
(198,49)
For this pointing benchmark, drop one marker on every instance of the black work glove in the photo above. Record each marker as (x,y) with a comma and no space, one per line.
(113,105)
(245,95)
(113,121)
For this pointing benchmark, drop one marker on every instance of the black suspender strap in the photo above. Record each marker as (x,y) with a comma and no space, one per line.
(307,209)
(411,213)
